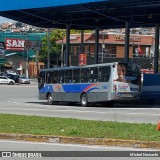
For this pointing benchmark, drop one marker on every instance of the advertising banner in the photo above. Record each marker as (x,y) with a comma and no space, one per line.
(82,59)
(14,44)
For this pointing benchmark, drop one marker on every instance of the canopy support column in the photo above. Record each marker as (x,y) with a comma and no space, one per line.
(82,39)
(48,49)
(127,35)
(96,45)
(156,56)
(67,45)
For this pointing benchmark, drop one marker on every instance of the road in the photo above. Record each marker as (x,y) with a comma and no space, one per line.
(23,99)
(91,151)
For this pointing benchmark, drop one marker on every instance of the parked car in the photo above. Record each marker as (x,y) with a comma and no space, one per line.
(6,80)
(15,77)
(24,80)
(10,72)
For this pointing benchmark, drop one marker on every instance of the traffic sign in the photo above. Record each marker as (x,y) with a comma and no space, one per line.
(28,45)
(36,45)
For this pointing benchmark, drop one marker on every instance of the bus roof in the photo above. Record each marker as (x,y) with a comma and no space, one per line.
(78,67)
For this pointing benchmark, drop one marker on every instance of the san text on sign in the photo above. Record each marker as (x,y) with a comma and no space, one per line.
(28,45)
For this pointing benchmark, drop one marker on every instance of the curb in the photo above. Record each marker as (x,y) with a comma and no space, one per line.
(78,140)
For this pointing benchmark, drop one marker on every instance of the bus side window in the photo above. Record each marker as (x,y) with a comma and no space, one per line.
(93,75)
(55,77)
(61,76)
(68,77)
(84,75)
(104,74)
(76,75)
(49,77)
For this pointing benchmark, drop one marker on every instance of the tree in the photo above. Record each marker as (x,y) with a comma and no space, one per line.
(55,49)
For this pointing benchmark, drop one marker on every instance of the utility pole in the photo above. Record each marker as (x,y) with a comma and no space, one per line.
(62,59)
(37,56)
(27,63)
(103,47)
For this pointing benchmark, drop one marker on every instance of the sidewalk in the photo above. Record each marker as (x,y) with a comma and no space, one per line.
(78,140)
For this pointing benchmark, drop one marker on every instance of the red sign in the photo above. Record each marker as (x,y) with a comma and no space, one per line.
(139,50)
(14,44)
(82,59)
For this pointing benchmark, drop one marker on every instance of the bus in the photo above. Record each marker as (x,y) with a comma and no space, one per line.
(105,83)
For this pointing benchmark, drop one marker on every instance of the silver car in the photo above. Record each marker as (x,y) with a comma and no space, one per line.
(24,80)
(6,80)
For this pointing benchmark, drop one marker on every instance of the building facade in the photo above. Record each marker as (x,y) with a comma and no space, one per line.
(112,48)
(22,60)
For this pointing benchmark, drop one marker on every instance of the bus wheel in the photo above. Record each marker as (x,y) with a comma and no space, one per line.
(84,100)
(49,99)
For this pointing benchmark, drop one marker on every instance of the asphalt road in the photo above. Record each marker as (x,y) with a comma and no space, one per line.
(93,152)
(23,99)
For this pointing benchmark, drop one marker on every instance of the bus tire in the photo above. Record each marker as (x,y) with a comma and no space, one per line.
(84,100)
(49,99)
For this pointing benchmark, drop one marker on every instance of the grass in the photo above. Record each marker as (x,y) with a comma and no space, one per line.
(77,128)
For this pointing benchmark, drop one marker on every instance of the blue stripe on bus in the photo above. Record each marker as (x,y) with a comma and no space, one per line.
(47,88)
(75,87)
(70,88)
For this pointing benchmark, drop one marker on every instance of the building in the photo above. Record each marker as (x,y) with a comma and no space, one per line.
(112,48)
(13,47)
(34,68)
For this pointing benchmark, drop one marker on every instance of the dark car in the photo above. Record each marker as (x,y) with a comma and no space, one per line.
(15,77)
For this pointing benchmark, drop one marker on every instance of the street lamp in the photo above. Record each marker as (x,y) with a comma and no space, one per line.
(103,47)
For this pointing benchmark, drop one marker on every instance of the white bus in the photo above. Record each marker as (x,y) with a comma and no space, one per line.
(105,83)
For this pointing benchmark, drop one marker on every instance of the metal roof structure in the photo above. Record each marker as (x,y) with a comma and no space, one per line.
(82,14)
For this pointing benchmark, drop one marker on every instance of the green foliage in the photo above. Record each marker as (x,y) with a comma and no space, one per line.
(54,49)
(73,31)
(77,128)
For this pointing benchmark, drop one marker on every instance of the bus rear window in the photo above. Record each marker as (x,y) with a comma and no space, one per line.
(104,74)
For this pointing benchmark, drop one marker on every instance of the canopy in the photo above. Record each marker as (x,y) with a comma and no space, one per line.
(82,14)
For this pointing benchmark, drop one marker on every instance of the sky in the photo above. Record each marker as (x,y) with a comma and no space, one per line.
(5,20)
